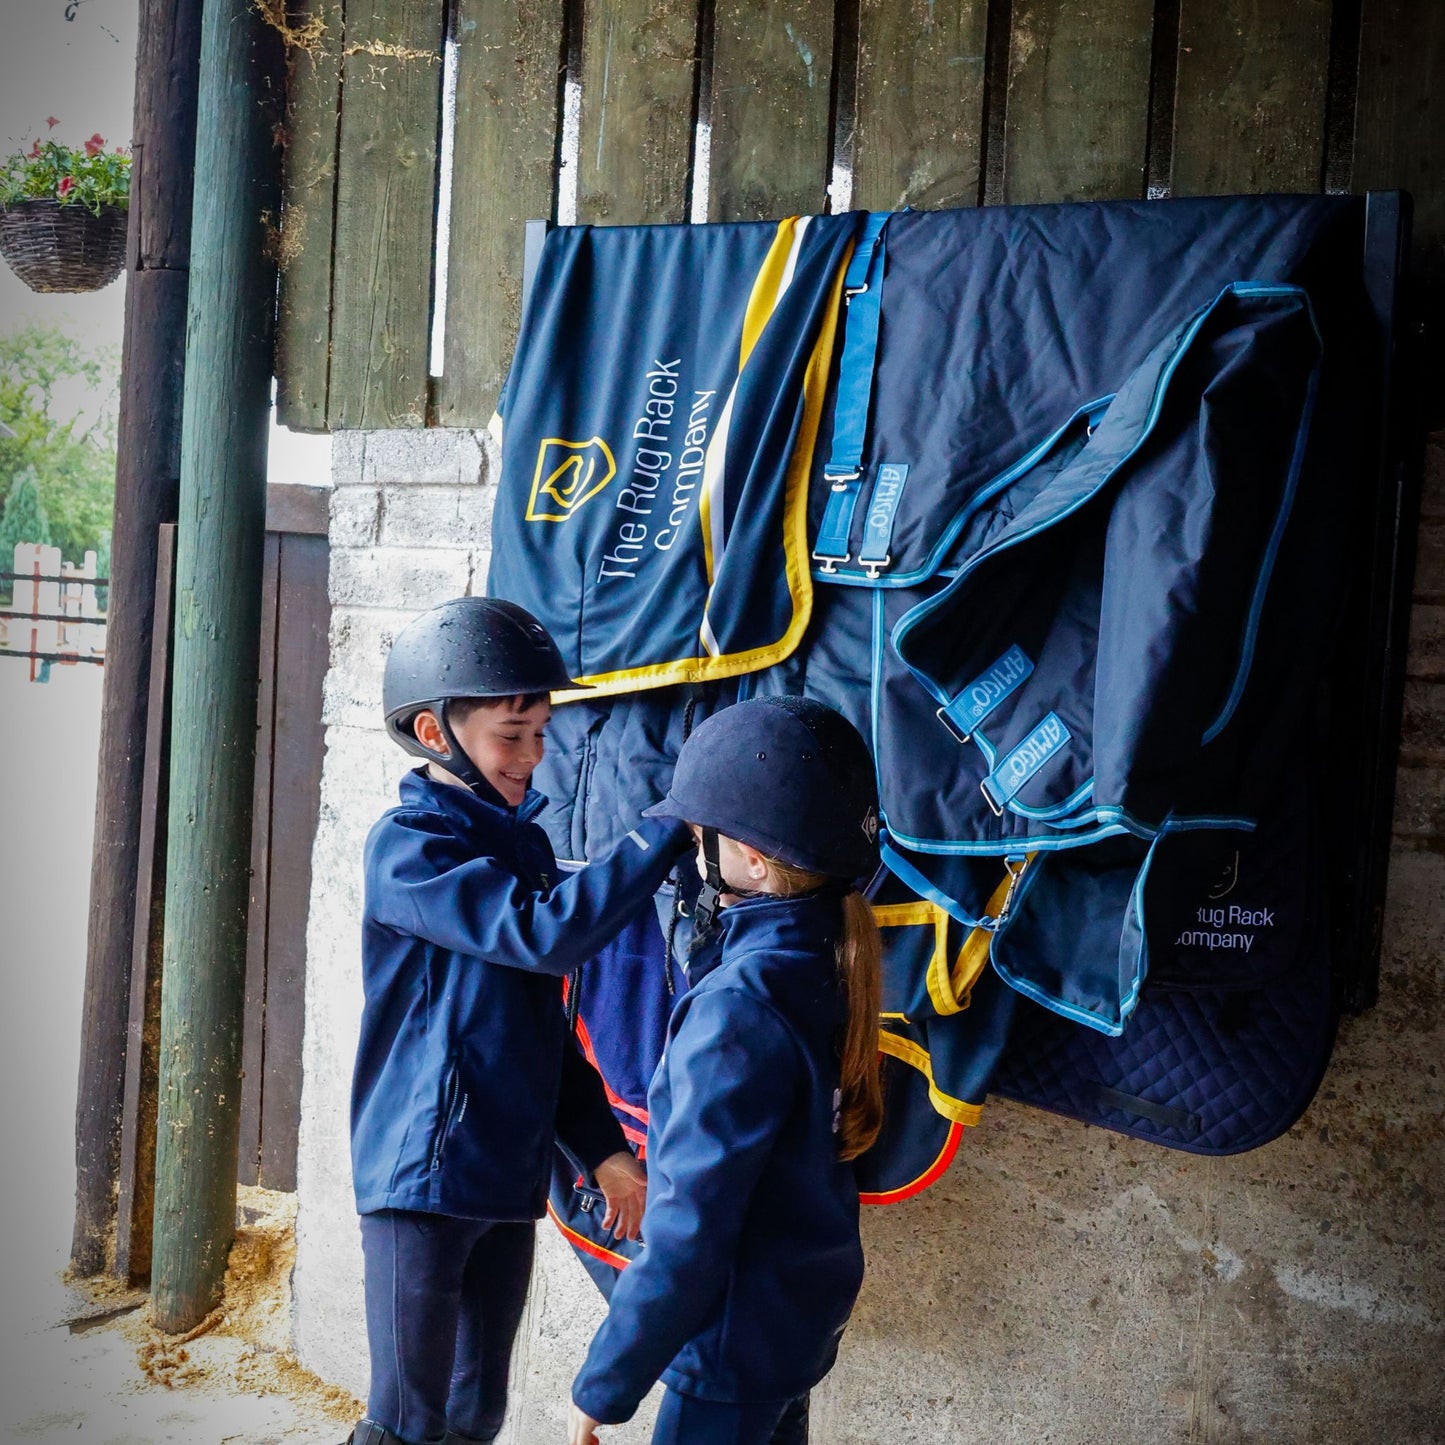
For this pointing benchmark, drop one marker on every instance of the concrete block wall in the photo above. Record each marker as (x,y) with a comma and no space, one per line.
(1061,1283)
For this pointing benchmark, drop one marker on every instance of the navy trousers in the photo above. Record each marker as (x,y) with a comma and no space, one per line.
(686,1420)
(444,1298)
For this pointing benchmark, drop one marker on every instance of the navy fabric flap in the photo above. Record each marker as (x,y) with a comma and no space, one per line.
(1003,325)
(1132,579)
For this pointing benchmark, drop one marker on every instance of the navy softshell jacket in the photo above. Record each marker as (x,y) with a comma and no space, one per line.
(464,1069)
(752,1259)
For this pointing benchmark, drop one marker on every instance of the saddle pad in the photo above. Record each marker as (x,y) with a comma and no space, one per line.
(1234,1027)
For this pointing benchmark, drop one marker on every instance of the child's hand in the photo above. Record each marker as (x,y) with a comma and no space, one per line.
(581,1429)
(624,1186)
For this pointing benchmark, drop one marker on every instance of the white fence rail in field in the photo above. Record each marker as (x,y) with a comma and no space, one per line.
(55,614)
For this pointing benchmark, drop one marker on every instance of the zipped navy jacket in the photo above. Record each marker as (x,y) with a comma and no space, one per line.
(752,1259)
(464,1070)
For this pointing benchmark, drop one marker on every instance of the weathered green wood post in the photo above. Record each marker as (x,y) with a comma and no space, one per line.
(217,636)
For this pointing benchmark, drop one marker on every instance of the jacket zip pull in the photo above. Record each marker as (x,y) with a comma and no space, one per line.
(450,1097)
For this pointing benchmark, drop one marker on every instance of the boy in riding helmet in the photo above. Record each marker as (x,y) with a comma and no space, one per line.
(768,1086)
(464,1068)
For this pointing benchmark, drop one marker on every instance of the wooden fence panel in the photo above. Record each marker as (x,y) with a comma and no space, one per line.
(313,117)
(1400,118)
(1250,110)
(769,115)
(918,133)
(1078,100)
(639,81)
(385,213)
(509,67)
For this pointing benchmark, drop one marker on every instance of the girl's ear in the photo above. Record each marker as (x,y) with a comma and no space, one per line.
(755,863)
(429,732)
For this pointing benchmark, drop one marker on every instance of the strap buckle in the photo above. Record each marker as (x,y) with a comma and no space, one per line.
(838,482)
(995,808)
(942,715)
(874,566)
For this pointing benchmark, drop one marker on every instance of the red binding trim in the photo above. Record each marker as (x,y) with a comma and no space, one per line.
(585,1039)
(929,1175)
(617,1261)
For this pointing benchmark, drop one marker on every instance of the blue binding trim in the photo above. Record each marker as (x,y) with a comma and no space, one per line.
(1089,413)
(1276,536)
(863,290)
(1107,822)
(906,873)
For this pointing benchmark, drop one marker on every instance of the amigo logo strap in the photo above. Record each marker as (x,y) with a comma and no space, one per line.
(975,700)
(1018,766)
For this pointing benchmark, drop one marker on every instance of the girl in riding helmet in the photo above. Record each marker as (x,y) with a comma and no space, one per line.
(767,1088)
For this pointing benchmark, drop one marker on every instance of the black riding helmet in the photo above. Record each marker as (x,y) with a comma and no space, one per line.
(468,647)
(786,775)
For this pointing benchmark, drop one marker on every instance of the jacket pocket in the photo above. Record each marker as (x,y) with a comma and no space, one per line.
(453,1106)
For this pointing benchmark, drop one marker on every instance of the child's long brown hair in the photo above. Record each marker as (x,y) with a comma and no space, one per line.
(859,954)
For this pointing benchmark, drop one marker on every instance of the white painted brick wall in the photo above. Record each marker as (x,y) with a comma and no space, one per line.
(410,527)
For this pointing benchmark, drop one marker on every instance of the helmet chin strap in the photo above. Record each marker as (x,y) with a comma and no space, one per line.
(714,885)
(456,762)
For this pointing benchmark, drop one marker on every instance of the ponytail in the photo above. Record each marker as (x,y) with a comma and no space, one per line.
(859,955)
(859,967)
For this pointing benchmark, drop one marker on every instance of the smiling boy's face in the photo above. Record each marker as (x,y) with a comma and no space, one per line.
(504,741)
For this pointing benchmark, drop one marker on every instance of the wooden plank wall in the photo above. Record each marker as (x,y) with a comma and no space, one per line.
(624,111)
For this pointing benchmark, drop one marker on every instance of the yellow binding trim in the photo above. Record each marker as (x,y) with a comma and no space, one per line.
(910,1053)
(795,545)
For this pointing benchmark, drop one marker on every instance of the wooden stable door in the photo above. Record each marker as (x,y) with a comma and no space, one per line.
(290,743)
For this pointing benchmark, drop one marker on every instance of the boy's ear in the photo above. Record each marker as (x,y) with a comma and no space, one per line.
(429,732)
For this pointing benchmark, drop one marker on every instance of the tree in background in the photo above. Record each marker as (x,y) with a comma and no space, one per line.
(44,373)
(22,520)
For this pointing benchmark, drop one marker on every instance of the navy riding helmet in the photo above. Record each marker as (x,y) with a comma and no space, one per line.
(468,647)
(786,775)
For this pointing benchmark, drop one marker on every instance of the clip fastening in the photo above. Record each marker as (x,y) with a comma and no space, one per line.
(1014,867)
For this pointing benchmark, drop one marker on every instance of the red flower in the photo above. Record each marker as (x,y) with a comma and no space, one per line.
(52,121)
(67,185)
(34,152)
(95,144)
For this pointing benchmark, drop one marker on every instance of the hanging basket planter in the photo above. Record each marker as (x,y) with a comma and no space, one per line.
(52,246)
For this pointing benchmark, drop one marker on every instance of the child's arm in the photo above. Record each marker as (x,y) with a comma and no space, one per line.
(732,1087)
(588,1127)
(420,880)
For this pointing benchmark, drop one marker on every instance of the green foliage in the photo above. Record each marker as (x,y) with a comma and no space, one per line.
(88,175)
(72,462)
(23,520)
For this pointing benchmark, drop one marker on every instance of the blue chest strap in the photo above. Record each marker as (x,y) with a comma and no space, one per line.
(863,289)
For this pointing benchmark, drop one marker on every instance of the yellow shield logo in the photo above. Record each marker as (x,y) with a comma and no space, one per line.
(567,474)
